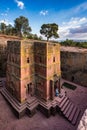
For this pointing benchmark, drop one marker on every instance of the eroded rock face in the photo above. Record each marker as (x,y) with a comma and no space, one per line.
(83,122)
(3,57)
(3,53)
(74,65)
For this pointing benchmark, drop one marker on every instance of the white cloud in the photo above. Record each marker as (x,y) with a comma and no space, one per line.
(6,22)
(44,12)
(74,28)
(81,7)
(20,4)
(5,13)
(77,9)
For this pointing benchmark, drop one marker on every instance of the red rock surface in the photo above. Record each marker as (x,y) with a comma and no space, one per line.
(8,121)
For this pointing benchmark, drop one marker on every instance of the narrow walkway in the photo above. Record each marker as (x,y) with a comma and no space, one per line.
(63,80)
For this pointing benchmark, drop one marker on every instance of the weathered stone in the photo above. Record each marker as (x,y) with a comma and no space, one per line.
(83,122)
(74,64)
(30,68)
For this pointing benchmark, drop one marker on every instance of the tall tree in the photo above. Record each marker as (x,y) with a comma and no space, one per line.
(3,28)
(9,29)
(22,26)
(49,30)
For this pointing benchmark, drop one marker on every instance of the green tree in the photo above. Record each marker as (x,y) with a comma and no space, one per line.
(3,28)
(9,29)
(35,37)
(14,31)
(40,38)
(22,26)
(49,30)
(30,36)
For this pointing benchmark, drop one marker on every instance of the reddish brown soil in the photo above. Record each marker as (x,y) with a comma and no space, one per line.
(8,121)
(9,37)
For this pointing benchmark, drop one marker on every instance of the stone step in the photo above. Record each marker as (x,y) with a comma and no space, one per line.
(45,105)
(54,103)
(59,100)
(32,101)
(76,117)
(11,100)
(63,102)
(73,113)
(32,106)
(65,105)
(6,94)
(67,108)
(62,99)
(69,111)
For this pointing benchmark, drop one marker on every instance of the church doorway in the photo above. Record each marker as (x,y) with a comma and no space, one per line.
(55,88)
(29,89)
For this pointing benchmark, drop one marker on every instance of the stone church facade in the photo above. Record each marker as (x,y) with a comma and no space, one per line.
(33,69)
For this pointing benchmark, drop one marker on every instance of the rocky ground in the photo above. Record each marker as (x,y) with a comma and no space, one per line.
(83,122)
(8,121)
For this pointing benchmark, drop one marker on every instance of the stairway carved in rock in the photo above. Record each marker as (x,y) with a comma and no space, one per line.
(69,110)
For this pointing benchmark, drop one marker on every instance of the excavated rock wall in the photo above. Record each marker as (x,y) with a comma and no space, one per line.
(3,57)
(3,53)
(74,66)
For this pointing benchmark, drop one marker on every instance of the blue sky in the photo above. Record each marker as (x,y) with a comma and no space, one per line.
(70,15)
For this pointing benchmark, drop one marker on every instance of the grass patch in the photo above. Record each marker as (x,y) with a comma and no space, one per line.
(70,86)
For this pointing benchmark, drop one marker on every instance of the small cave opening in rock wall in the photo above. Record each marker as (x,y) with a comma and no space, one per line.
(72,78)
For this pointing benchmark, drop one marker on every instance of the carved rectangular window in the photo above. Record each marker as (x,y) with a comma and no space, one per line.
(53,59)
(28,60)
(40,59)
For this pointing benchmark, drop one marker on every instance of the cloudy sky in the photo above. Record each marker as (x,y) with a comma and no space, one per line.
(70,15)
